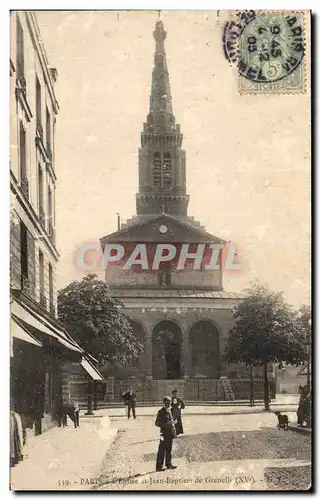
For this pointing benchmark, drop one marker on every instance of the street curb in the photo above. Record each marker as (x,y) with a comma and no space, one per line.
(214,404)
(242,412)
(301,430)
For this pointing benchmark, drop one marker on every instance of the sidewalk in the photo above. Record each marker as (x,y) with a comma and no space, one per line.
(65,458)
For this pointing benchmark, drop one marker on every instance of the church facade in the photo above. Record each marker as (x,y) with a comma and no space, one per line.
(181,315)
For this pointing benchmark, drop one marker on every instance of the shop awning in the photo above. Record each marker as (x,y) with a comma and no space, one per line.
(91,370)
(32,319)
(17,331)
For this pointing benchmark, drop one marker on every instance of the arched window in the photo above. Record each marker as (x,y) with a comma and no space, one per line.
(167,170)
(157,170)
(162,169)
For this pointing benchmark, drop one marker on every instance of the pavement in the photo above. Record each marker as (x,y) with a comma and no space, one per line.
(60,457)
(222,448)
(227,452)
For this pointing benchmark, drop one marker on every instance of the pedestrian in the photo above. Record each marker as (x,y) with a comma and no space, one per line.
(177,405)
(165,421)
(77,411)
(304,408)
(130,401)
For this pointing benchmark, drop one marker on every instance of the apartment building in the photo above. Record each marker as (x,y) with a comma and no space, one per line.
(43,355)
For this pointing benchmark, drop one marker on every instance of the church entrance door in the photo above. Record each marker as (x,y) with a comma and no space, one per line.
(167,351)
(204,350)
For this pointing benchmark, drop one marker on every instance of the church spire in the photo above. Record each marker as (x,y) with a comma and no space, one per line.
(162,187)
(160,105)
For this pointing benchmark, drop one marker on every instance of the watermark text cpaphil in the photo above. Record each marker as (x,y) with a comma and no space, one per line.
(141,256)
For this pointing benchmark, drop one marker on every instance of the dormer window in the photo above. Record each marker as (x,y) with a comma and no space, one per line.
(162,169)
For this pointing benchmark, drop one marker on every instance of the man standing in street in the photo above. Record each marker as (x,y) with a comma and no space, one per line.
(130,401)
(165,421)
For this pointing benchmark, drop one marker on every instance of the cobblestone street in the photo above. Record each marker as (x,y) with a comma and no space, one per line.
(216,452)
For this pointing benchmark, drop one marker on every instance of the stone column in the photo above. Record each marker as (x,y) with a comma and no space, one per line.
(149,354)
(186,353)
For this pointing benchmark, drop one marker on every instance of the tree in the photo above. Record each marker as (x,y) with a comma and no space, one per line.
(264,332)
(97,321)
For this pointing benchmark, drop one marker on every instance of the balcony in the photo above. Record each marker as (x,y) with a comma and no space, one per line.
(42,217)
(52,233)
(43,300)
(24,185)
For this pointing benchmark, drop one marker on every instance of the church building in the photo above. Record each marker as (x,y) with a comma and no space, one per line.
(181,316)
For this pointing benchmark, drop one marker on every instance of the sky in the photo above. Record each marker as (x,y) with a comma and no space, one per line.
(247,156)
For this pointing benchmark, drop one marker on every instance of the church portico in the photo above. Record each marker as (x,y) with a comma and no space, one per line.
(200,333)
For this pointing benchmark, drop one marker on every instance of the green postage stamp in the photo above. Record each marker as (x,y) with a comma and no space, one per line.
(269,49)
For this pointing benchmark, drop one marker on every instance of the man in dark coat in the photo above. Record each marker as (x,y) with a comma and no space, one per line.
(304,409)
(177,405)
(165,421)
(130,400)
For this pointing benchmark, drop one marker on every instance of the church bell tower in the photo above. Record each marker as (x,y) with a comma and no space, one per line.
(162,171)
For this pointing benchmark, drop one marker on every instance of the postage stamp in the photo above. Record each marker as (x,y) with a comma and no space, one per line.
(269,50)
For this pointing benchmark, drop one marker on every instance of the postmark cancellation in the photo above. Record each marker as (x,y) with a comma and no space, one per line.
(269,50)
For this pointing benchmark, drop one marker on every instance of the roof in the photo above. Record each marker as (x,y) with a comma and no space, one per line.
(185,224)
(182,294)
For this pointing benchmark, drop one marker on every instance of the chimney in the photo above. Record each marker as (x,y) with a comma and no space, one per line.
(118,221)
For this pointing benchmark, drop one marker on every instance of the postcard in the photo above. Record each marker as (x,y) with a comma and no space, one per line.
(160,283)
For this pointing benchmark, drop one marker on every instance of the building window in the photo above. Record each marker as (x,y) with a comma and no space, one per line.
(42,279)
(162,169)
(51,215)
(27,260)
(24,255)
(15,253)
(157,170)
(42,215)
(40,187)
(167,170)
(24,183)
(38,106)
(20,50)
(51,294)
(22,152)
(48,131)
